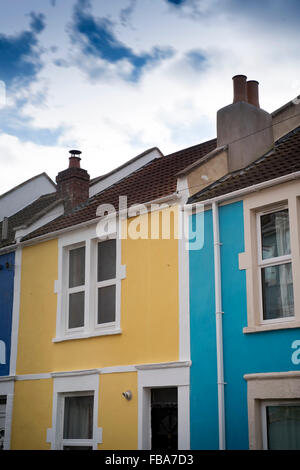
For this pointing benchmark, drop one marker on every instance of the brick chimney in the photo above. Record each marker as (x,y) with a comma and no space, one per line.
(73,183)
(244,126)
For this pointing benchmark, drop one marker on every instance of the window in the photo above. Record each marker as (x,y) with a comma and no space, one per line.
(77,422)
(275,265)
(75,411)
(89,285)
(76,288)
(106,282)
(281,426)
(2,420)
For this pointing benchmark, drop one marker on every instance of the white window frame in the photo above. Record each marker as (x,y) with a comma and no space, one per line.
(73,383)
(73,290)
(86,237)
(73,442)
(263,263)
(116,281)
(264,406)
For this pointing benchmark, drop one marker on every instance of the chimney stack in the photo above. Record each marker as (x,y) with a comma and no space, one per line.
(252,93)
(239,88)
(73,183)
(243,126)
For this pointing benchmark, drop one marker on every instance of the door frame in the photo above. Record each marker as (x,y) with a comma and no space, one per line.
(172,374)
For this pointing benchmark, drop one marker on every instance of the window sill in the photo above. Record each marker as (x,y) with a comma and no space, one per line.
(111,331)
(272,326)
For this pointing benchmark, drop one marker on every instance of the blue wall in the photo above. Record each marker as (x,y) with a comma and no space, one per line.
(6,305)
(243,353)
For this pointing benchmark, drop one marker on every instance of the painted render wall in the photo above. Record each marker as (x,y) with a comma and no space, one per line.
(244,353)
(116,416)
(6,307)
(149,312)
(150,334)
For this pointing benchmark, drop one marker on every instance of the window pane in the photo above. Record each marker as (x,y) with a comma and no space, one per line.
(78,417)
(283,424)
(76,310)
(106,260)
(77,267)
(106,304)
(277,291)
(275,234)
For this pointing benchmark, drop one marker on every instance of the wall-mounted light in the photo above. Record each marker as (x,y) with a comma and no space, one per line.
(127,394)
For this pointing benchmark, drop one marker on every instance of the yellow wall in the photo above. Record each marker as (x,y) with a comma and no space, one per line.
(149,311)
(37,321)
(32,414)
(117,416)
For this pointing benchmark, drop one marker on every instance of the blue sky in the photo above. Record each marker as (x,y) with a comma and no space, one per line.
(114,78)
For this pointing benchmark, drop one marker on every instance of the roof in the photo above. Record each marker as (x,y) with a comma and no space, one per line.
(132,160)
(282,160)
(27,181)
(27,216)
(154,180)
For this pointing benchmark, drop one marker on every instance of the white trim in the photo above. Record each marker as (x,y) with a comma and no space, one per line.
(183,283)
(176,376)
(84,225)
(33,376)
(88,237)
(88,382)
(16,311)
(163,365)
(101,370)
(249,189)
(117,369)
(124,171)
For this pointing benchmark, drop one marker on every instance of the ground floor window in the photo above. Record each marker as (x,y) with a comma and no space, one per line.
(281,426)
(77,422)
(2,420)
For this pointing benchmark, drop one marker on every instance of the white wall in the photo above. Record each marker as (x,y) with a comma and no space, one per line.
(25,194)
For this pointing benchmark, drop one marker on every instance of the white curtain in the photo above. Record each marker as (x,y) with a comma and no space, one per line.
(78,418)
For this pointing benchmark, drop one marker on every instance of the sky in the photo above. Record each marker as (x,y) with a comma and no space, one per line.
(114,78)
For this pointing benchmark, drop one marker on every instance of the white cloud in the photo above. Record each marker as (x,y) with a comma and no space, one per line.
(172,107)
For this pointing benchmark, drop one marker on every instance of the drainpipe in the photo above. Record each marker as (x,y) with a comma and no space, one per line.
(219,329)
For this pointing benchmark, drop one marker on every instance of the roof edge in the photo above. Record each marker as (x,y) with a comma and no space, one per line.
(132,160)
(27,181)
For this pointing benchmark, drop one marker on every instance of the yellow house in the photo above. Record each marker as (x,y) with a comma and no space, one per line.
(101,354)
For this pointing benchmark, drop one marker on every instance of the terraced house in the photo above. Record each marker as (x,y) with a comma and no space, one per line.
(156,307)
(20,209)
(244,296)
(103,333)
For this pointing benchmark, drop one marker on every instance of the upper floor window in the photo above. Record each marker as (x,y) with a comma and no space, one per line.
(76,288)
(89,285)
(275,264)
(106,282)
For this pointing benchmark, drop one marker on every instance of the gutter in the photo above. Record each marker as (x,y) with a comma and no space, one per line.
(247,190)
(48,236)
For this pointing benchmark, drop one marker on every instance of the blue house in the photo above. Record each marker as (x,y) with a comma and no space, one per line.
(244,295)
